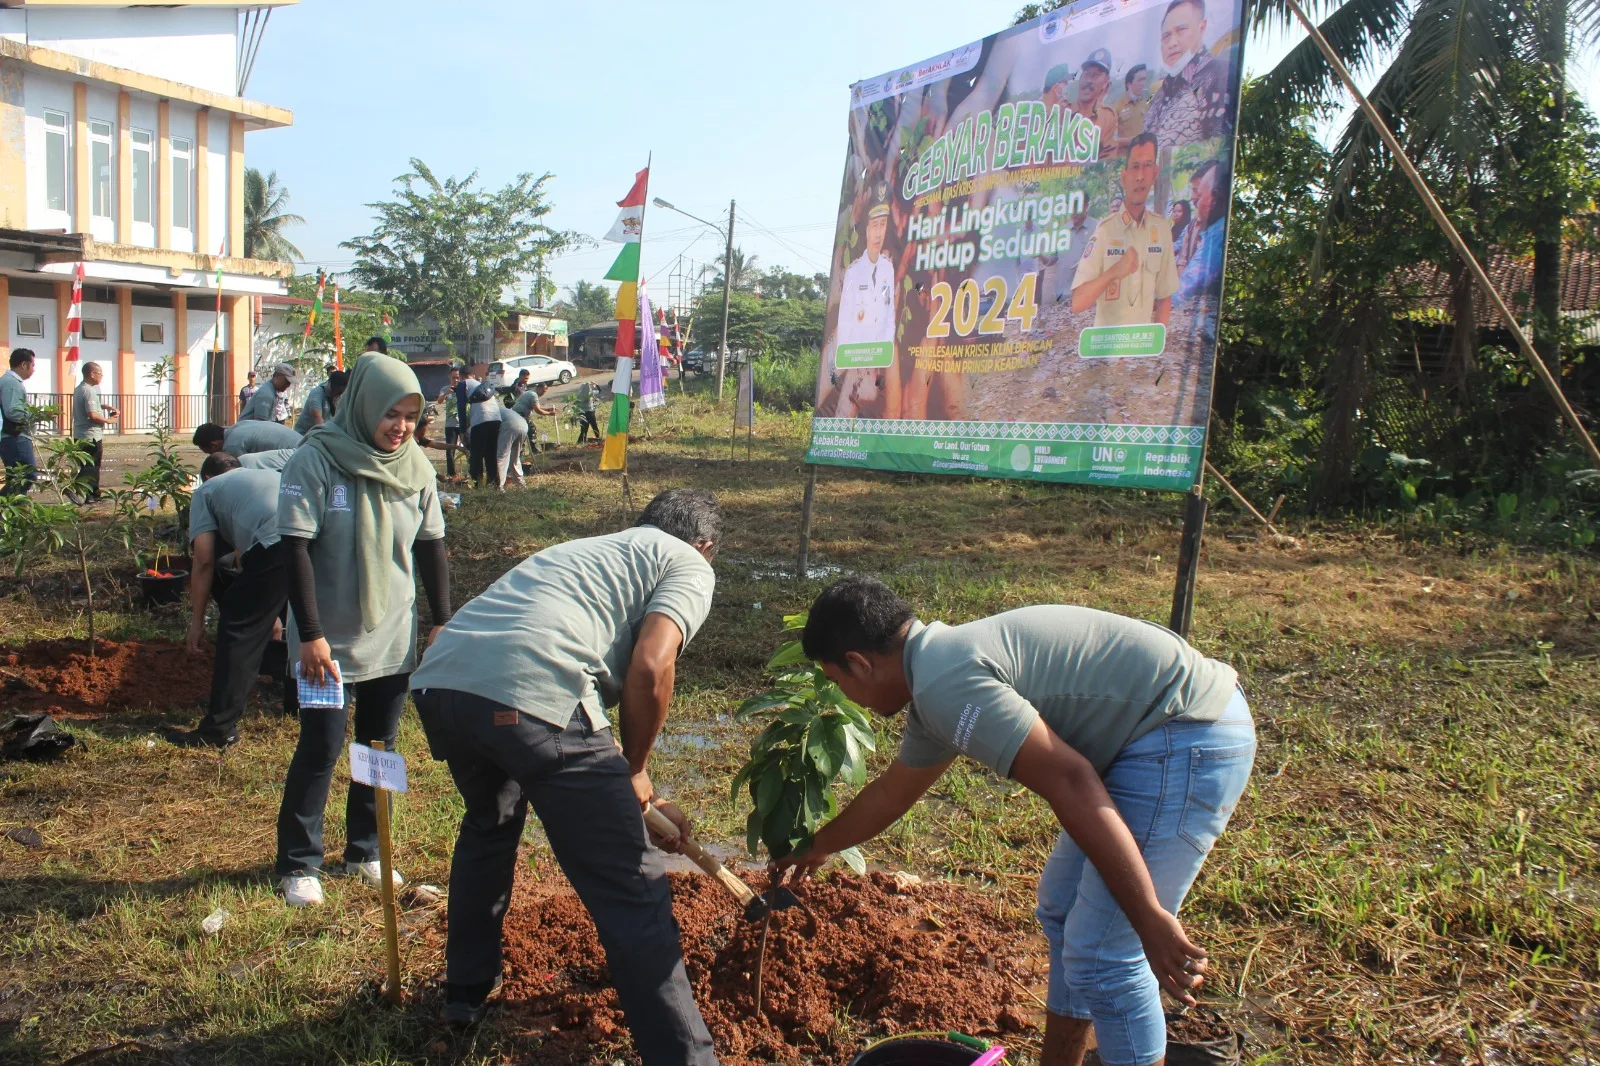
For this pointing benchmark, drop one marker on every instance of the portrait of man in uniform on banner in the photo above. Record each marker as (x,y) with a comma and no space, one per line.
(1028,262)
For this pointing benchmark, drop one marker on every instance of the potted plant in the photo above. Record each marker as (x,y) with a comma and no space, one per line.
(813,737)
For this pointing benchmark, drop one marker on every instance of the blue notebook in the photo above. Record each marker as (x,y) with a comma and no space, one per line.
(329,693)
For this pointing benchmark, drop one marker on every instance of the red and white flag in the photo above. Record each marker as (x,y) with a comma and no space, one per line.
(75,316)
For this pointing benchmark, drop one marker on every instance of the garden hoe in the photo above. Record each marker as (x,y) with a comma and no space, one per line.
(757,905)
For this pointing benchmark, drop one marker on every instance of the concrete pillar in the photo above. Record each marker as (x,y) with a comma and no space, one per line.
(164,174)
(124,169)
(236,187)
(5,321)
(13,175)
(64,369)
(80,158)
(127,383)
(202,184)
(240,355)
(180,357)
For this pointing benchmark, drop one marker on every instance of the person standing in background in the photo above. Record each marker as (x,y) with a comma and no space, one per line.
(586,422)
(528,406)
(16,433)
(233,524)
(452,420)
(321,402)
(90,418)
(376,344)
(1132,107)
(270,403)
(360,522)
(247,390)
(483,433)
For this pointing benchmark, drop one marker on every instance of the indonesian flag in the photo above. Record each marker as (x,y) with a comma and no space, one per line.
(629,229)
(316,304)
(75,316)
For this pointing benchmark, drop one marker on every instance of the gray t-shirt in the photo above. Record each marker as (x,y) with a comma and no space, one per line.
(86,401)
(557,631)
(586,396)
(14,402)
(317,500)
(1099,680)
(240,505)
(242,438)
(262,405)
(316,401)
(276,459)
(525,403)
(512,426)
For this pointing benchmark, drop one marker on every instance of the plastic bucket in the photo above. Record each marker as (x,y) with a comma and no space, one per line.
(161,591)
(916,1051)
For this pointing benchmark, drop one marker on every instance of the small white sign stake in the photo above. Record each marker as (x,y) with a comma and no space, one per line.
(386,773)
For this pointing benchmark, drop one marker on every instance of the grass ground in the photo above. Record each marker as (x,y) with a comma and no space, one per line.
(1413,877)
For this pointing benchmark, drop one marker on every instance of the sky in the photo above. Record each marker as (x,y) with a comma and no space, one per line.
(728,100)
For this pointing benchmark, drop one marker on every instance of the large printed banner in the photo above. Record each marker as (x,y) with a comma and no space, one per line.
(1027,270)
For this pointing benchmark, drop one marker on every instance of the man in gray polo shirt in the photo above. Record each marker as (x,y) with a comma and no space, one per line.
(512,695)
(270,403)
(1140,744)
(89,420)
(244,438)
(233,526)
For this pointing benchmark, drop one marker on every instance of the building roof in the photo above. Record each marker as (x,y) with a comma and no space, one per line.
(1513,276)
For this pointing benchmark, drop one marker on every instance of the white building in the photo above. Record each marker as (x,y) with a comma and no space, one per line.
(122,146)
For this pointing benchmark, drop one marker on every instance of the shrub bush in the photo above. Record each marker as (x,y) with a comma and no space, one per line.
(786,381)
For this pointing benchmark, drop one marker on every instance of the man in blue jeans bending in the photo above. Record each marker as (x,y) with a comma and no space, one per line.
(1140,744)
(512,695)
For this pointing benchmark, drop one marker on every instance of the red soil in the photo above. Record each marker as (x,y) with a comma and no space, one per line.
(58,676)
(926,957)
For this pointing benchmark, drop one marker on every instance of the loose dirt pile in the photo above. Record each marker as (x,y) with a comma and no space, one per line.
(893,959)
(58,676)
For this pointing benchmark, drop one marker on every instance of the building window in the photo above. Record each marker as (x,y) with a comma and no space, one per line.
(182,162)
(30,325)
(100,169)
(143,172)
(94,329)
(55,160)
(150,332)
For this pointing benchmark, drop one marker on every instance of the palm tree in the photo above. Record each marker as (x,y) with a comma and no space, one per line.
(1444,92)
(265,200)
(744,271)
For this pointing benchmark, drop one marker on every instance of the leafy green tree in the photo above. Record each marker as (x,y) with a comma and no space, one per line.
(745,274)
(360,315)
(266,203)
(448,249)
(586,304)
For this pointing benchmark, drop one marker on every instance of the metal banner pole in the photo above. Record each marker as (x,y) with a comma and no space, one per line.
(1194,523)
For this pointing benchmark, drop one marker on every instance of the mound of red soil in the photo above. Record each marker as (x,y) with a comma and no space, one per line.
(58,676)
(932,956)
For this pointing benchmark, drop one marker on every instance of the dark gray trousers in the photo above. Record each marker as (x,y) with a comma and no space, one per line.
(579,785)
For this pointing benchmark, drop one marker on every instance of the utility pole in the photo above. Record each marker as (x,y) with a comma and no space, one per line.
(727,295)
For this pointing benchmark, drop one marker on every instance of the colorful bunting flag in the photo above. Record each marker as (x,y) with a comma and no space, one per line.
(75,316)
(614,453)
(629,231)
(338,333)
(316,304)
(651,391)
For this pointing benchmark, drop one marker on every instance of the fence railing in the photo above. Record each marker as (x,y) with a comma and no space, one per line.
(139,412)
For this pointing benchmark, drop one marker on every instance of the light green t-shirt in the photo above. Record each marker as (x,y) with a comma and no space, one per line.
(316,401)
(525,404)
(512,426)
(14,399)
(317,501)
(86,401)
(276,459)
(261,405)
(556,632)
(240,505)
(1099,680)
(242,438)
(586,397)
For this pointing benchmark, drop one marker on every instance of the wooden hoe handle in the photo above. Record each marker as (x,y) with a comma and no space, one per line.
(662,826)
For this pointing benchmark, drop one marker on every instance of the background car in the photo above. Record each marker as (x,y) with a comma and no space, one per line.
(695,362)
(541,369)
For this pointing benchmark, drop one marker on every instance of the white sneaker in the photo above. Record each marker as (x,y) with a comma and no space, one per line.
(371,873)
(302,890)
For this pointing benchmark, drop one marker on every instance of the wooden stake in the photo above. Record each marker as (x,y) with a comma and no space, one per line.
(1194,524)
(1246,504)
(391,924)
(800,568)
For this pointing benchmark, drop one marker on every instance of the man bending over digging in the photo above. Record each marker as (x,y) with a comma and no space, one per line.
(512,695)
(1140,744)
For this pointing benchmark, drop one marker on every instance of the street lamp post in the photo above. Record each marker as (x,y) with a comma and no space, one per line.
(727,282)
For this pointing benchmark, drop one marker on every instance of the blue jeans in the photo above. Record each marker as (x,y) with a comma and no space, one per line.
(1175,787)
(17,449)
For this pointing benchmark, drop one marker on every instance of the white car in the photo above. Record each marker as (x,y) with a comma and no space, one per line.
(541,369)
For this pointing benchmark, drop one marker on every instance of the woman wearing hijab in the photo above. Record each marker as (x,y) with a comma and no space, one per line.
(358,515)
